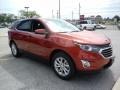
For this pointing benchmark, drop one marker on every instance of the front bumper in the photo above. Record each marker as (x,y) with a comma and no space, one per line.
(96,61)
(111,60)
(90,27)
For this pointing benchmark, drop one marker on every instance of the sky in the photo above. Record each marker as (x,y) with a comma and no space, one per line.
(105,8)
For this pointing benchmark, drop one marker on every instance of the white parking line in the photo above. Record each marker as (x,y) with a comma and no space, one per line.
(3,31)
(8,81)
(117,85)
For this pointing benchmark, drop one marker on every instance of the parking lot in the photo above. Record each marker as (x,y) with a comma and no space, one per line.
(30,73)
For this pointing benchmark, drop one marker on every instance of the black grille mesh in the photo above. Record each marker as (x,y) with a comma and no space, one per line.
(107,52)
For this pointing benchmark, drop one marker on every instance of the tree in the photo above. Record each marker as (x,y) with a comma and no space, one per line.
(29,14)
(117,18)
(10,18)
(98,19)
(6,18)
(3,17)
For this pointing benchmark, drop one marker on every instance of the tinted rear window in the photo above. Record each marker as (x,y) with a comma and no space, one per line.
(83,22)
(14,24)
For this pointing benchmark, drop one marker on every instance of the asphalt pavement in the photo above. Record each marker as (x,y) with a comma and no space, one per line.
(30,72)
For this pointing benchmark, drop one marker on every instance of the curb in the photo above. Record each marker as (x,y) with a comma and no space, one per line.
(3,34)
(117,85)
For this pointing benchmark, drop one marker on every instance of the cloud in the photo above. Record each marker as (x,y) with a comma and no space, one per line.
(45,7)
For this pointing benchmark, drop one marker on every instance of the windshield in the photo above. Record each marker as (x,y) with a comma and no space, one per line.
(57,25)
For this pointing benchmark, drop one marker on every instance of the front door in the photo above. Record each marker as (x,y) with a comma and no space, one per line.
(40,45)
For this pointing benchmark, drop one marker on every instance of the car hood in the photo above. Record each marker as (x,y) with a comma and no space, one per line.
(88,37)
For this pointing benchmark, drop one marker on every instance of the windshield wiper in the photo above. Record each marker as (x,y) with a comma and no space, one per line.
(74,31)
(63,32)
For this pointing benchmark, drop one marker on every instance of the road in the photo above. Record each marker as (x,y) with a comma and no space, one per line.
(29,73)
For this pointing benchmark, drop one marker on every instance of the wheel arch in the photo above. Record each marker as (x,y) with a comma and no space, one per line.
(59,50)
(11,41)
(85,27)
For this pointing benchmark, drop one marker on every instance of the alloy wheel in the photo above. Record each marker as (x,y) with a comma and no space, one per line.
(61,66)
(14,49)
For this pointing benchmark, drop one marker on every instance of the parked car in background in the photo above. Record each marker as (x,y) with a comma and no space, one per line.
(2,26)
(100,26)
(65,47)
(86,25)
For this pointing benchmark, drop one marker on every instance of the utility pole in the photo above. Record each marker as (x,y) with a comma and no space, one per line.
(59,10)
(72,15)
(27,11)
(79,11)
(57,14)
(52,14)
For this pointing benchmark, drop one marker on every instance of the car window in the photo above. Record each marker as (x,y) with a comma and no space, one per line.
(58,25)
(14,24)
(83,22)
(37,25)
(24,26)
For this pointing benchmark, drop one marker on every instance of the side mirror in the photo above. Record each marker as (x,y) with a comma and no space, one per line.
(41,31)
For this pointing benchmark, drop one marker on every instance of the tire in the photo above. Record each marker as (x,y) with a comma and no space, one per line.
(84,28)
(63,66)
(107,66)
(94,28)
(14,50)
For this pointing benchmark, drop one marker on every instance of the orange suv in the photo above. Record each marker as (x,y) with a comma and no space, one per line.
(65,47)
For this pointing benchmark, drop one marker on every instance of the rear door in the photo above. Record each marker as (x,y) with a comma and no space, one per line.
(23,34)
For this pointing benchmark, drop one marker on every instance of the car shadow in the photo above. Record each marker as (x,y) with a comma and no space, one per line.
(35,72)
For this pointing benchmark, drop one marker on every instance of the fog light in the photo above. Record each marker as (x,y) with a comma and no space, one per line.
(85,63)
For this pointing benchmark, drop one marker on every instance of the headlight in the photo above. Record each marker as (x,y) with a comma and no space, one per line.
(88,47)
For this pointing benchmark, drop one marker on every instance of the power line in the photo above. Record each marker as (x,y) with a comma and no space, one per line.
(118,11)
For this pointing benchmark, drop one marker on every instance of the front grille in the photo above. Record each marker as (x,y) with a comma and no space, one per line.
(107,52)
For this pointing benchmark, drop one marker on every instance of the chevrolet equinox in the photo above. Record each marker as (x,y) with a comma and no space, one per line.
(65,47)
